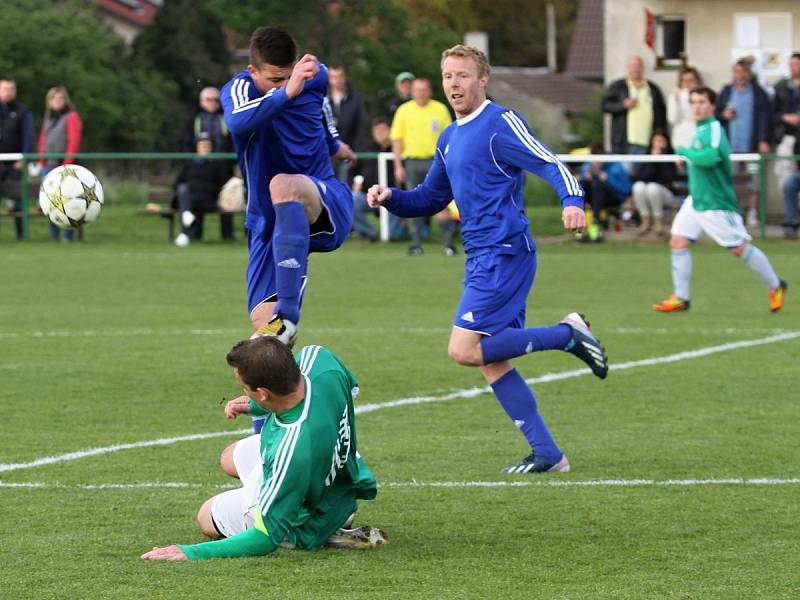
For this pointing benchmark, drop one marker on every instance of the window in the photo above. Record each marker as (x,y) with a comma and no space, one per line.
(670,40)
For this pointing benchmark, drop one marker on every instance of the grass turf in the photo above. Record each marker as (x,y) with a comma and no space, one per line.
(122,338)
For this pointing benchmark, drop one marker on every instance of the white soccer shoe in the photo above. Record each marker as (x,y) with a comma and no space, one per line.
(358,538)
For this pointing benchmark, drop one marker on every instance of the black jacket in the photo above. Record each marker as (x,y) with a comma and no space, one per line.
(762,115)
(16,128)
(350,118)
(193,125)
(205,179)
(613,99)
(786,101)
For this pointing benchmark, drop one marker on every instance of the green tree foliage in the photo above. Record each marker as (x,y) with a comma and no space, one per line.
(186,44)
(374,39)
(64,43)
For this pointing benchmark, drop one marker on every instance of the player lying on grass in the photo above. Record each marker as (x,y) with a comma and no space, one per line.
(481,161)
(712,208)
(295,205)
(302,475)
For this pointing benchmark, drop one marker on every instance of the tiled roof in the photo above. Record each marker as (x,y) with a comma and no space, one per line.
(557,89)
(585,56)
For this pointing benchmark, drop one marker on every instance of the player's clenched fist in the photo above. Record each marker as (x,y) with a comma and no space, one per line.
(574,219)
(378,195)
(237,406)
(304,70)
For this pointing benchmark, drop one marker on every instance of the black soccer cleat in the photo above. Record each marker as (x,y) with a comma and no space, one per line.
(585,346)
(533,464)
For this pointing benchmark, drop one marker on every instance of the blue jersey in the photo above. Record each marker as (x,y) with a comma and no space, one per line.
(480,162)
(275,134)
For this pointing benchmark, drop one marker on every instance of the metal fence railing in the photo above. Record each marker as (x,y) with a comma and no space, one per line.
(383,159)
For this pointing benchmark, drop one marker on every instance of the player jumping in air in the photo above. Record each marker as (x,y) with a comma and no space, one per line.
(481,161)
(712,208)
(275,112)
(302,475)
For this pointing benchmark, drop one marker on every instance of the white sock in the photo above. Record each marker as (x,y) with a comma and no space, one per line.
(758,261)
(681,272)
(187,218)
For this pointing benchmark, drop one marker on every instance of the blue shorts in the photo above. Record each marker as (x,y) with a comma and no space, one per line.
(327,234)
(496,288)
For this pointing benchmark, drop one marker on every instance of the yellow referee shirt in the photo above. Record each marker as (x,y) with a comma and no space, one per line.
(418,127)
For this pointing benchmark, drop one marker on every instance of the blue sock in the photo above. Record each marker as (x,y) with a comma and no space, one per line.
(511,342)
(290,250)
(518,401)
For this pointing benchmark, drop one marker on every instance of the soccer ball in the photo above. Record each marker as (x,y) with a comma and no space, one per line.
(70,196)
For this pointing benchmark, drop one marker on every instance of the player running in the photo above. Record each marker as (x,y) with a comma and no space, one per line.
(274,110)
(712,208)
(301,477)
(481,161)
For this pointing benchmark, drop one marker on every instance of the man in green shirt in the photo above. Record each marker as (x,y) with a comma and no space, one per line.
(711,208)
(302,475)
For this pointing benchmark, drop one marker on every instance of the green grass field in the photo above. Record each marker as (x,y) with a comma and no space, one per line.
(121,339)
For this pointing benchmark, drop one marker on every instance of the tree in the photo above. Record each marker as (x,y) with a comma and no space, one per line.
(65,43)
(186,44)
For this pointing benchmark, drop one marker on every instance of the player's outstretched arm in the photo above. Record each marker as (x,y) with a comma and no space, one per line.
(378,195)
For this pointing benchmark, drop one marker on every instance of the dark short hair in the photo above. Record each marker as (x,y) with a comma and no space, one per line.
(746,63)
(705,91)
(795,55)
(273,46)
(265,362)
(381,120)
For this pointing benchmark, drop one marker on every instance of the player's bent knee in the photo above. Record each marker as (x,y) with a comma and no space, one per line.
(739,250)
(677,242)
(464,355)
(205,522)
(226,461)
(288,188)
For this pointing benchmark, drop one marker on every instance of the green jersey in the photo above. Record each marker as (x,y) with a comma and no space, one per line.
(313,473)
(709,163)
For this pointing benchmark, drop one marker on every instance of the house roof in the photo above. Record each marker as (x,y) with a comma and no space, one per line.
(136,12)
(557,89)
(585,56)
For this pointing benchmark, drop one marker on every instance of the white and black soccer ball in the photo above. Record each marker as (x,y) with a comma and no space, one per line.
(71,195)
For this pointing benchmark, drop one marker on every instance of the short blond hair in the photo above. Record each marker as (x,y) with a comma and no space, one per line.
(462,51)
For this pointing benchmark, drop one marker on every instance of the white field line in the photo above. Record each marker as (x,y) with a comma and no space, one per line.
(367,408)
(539,483)
(694,332)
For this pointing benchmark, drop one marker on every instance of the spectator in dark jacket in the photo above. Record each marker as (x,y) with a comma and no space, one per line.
(744,109)
(197,188)
(349,114)
(402,86)
(637,109)
(16,135)
(607,185)
(365,175)
(653,188)
(786,107)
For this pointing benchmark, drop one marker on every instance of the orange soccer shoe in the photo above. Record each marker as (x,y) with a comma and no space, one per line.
(778,296)
(671,304)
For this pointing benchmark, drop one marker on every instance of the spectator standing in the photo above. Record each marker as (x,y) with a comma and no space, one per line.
(365,173)
(745,113)
(679,112)
(653,189)
(607,184)
(197,188)
(208,122)
(61,133)
(402,85)
(787,124)
(637,109)
(416,127)
(16,135)
(349,114)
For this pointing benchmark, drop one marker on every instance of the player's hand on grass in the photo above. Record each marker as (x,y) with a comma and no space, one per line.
(237,406)
(378,195)
(168,553)
(574,218)
(345,154)
(304,70)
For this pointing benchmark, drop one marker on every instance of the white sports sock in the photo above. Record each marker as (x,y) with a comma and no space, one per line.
(681,272)
(758,261)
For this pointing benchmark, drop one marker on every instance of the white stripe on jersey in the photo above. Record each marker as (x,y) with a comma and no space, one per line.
(279,468)
(716,134)
(494,160)
(518,127)
(244,92)
(307,361)
(254,102)
(327,112)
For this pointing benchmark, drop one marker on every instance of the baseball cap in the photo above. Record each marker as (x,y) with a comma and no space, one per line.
(403,76)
